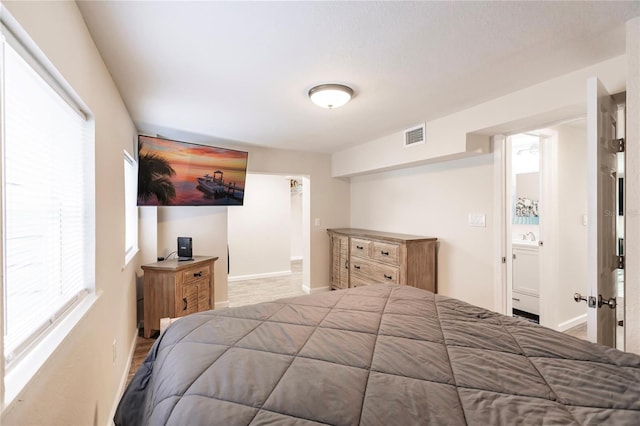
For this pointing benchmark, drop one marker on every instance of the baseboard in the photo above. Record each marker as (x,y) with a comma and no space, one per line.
(123,379)
(223,304)
(315,290)
(564,326)
(258,276)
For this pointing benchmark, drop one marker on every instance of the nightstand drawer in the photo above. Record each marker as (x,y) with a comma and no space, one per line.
(360,248)
(196,273)
(386,252)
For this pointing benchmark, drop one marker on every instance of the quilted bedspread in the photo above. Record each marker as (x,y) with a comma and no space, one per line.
(377,355)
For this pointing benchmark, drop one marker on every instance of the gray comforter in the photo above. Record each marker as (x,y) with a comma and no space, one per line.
(377,355)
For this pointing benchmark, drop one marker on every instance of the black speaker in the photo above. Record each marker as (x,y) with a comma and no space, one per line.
(184,248)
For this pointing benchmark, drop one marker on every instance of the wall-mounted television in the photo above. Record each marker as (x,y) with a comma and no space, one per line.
(174,173)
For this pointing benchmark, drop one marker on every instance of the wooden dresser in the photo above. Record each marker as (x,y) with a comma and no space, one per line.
(362,257)
(175,288)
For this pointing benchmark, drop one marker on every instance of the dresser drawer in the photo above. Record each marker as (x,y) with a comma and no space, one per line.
(357,281)
(360,248)
(196,273)
(374,272)
(386,252)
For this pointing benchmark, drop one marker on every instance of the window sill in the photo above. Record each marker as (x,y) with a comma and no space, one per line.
(19,376)
(128,257)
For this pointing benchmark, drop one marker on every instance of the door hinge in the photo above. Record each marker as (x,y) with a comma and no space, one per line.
(620,262)
(618,145)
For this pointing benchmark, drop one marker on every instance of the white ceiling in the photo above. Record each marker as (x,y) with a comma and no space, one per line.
(239,72)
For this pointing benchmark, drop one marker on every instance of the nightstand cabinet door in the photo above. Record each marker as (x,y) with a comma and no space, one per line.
(188,304)
(204,300)
(174,289)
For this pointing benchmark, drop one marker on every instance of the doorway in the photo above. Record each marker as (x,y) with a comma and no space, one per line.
(546,224)
(547,253)
(268,239)
(523,151)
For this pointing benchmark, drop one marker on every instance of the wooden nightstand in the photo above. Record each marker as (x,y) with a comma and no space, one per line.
(175,288)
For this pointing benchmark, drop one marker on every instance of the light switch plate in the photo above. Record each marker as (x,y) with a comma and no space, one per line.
(477,219)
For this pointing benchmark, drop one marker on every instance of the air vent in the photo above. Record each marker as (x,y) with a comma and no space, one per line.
(414,136)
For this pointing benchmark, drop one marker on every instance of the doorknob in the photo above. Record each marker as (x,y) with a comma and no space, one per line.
(609,302)
(591,301)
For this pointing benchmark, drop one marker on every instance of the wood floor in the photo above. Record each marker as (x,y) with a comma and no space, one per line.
(248,292)
(241,293)
(579,331)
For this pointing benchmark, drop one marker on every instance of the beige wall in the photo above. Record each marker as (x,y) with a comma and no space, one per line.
(435,201)
(79,382)
(562,97)
(572,234)
(208,228)
(259,232)
(465,249)
(632,194)
(208,225)
(329,200)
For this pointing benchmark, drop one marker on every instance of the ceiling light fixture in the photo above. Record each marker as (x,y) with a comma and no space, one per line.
(330,95)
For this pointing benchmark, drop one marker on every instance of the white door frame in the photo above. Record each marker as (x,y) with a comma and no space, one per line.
(548,253)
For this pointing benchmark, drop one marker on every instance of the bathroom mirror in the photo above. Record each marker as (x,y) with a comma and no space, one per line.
(527,194)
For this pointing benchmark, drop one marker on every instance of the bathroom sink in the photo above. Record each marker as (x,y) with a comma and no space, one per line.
(527,243)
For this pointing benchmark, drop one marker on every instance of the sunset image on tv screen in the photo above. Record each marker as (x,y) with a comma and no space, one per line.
(173,173)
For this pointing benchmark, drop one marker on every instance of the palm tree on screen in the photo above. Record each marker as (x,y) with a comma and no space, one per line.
(153,178)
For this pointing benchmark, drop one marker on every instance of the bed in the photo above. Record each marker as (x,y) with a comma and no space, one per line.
(376,355)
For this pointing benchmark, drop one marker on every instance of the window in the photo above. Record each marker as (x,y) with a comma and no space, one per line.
(47,212)
(131,209)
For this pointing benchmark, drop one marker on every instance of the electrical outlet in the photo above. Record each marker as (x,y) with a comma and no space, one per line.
(115,350)
(317,221)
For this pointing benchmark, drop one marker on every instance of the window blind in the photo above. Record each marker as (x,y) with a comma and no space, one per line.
(130,205)
(45,209)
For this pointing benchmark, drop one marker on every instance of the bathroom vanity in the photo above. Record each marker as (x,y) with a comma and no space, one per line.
(526,277)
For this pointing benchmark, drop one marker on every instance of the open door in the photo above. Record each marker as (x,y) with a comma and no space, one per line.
(602,148)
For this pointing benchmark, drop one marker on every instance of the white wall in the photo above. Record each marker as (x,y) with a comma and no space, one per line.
(207,226)
(297,242)
(80,382)
(259,231)
(572,234)
(632,194)
(435,201)
(448,136)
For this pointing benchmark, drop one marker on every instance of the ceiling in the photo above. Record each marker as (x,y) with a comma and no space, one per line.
(239,72)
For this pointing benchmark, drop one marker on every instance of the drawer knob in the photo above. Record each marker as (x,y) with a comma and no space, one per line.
(388,276)
(197,274)
(360,247)
(184,303)
(356,267)
(384,253)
